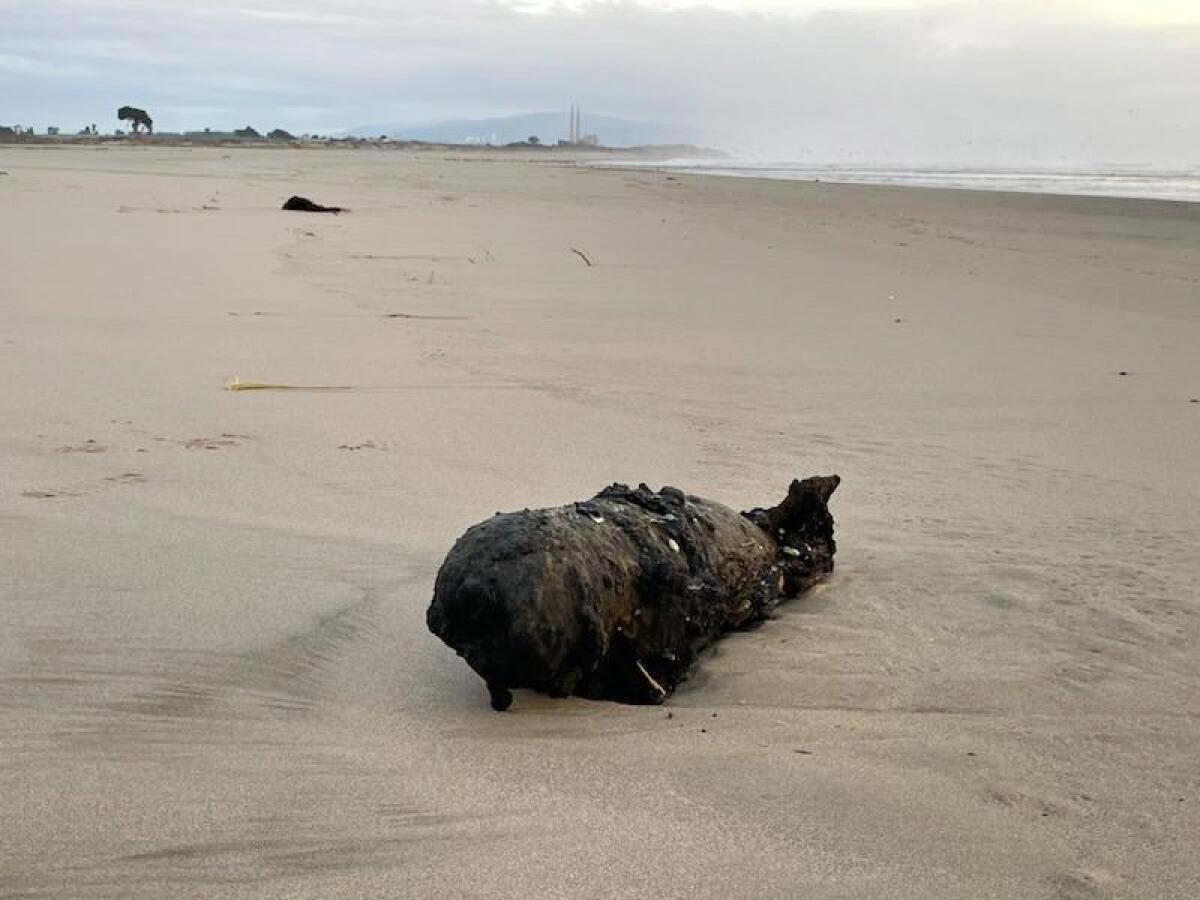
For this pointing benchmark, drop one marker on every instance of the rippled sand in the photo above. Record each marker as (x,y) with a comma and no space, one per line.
(215,678)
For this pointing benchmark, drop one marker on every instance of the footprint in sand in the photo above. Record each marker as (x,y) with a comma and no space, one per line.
(1024,802)
(127,478)
(88,446)
(83,490)
(1081,884)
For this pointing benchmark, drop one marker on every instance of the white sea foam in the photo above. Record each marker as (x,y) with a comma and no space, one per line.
(1181,185)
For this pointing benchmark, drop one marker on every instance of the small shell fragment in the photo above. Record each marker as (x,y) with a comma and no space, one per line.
(674,545)
(599,520)
(790,551)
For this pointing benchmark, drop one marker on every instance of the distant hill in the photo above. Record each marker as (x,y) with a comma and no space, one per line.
(549,127)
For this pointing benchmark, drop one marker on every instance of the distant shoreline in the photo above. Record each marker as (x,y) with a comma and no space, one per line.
(1102,183)
(649,151)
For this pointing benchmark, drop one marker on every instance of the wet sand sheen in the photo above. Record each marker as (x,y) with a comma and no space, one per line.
(215,679)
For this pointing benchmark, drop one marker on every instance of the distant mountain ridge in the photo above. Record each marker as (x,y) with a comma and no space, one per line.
(549,127)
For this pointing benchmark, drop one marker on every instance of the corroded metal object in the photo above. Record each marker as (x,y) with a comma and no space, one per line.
(613,598)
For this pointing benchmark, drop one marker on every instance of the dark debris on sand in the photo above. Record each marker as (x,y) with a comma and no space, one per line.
(303,204)
(613,598)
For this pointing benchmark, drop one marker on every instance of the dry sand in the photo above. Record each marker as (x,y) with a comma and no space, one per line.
(215,678)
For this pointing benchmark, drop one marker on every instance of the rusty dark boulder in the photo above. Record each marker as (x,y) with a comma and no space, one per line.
(613,598)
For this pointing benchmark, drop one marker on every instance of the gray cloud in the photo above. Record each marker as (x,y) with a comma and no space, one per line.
(977,83)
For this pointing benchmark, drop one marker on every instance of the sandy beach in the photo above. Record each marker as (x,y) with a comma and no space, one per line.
(215,675)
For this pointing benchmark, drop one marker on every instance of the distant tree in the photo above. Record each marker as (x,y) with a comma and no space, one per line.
(280,135)
(534,139)
(137,117)
(247,132)
(5,131)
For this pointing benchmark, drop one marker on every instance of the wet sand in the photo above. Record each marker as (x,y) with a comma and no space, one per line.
(215,677)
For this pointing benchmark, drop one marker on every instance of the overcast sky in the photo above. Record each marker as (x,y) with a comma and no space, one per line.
(1003,81)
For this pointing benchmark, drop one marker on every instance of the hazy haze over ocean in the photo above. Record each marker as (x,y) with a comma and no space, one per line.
(997,84)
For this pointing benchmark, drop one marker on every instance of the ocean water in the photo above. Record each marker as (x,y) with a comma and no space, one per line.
(1182,184)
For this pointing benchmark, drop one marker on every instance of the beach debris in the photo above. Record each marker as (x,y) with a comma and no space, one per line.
(582,256)
(205,443)
(238,385)
(545,600)
(398,315)
(657,688)
(303,204)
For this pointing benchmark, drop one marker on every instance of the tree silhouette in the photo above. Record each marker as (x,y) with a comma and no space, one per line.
(137,117)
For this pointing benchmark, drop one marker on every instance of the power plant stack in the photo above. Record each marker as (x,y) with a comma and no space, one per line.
(578,138)
(576,123)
